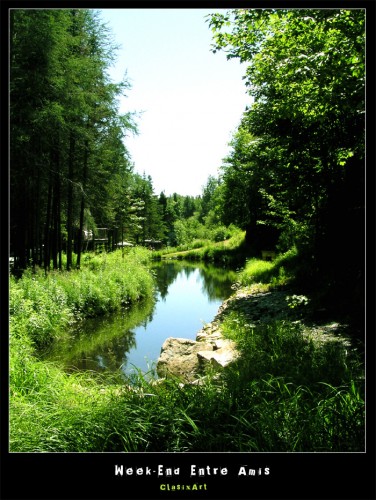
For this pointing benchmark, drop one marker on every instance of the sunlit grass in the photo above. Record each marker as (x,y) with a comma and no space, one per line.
(46,305)
(280,397)
(278,272)
(286,393)
(229,252)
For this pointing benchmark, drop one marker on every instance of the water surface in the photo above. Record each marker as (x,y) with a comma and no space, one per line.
(187,297)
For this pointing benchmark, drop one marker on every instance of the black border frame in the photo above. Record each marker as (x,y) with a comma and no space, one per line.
(342,476)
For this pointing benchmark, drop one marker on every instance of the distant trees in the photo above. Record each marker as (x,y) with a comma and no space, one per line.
(295,174)
(151,224)
(176,211)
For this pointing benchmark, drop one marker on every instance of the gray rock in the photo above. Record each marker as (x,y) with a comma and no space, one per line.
(219,358)
(190,359)
(179,358)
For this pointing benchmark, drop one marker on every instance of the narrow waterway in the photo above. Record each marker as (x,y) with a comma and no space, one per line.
(187,296)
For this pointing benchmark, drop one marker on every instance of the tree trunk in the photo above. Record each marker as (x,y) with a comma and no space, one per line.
(70,201)
(47,227)
(58,221)
(82,208)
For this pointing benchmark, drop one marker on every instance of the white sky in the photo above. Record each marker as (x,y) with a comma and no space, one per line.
(191,99)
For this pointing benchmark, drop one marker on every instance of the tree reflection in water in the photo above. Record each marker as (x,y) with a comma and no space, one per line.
(186,294)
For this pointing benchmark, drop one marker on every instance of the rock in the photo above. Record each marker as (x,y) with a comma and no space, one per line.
(210,337)
(190,359)
(218,359)
(193,360)
(224,344)
(179,357)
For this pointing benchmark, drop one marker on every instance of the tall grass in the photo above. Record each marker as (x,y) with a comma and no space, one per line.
(281,397)
(286,393)
(276,273)
(51,411)
(43,306)
(307,396)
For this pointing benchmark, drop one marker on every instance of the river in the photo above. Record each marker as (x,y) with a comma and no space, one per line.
(187,296)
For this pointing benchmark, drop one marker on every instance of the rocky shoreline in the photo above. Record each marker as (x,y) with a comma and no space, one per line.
(190,360)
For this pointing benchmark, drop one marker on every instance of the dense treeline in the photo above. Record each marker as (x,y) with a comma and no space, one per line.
(70,170)
(71,173)
(66,133)
(295,175)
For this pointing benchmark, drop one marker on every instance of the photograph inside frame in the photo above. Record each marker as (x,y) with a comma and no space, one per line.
(187,251)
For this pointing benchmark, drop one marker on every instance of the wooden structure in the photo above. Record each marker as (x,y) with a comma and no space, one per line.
(124,244)
(153,244)
(101,238)
(87,237)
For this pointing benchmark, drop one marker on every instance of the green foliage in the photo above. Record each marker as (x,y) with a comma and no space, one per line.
(188,230)
(304,380)
(295,168)
(42,307)
(284,397)
(297,301)
(38,307)
(210,203)
(231,252)
(59,82)
(295,175)
(278,272)
(287,392)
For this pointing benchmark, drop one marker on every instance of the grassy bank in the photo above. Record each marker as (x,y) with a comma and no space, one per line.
(287,392)
(268,403)
(43,306)
(228,252)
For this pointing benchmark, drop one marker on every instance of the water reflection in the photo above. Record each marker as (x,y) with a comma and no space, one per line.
(216,281)
(187,296)
(102,343)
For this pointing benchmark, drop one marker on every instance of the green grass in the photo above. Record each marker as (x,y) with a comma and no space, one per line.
(276,273)
(44,306)
(286,393)
(229,252)
(304,395)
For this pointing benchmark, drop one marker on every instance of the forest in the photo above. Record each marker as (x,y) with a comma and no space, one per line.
(78,178)
(295,174)
(293,184)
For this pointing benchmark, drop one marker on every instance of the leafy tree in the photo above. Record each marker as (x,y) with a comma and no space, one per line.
(209,197)
(187,230)
(245,173)
(305,173)
(152,226)
(32,47)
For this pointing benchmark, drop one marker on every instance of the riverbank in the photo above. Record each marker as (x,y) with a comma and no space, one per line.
(215,347)
(43,306)
(229,252)
(287,391)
